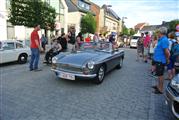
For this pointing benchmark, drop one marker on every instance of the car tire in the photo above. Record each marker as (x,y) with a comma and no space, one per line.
(100,75)
(119,66)
(22,58)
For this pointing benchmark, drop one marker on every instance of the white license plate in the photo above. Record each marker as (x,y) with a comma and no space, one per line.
(67,76)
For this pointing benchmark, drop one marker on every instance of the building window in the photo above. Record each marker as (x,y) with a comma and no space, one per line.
(83,5)
(87,7)
(61,9)
(55,4)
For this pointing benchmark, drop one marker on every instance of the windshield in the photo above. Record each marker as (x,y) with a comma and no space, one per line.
(135,37)
(100,46)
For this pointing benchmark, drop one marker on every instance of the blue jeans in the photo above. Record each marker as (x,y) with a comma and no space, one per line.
(35,55)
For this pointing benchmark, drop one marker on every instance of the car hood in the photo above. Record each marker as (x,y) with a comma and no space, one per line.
(78,58)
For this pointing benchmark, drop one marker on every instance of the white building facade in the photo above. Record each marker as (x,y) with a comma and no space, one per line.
(110,22)
(3,19)
(8,31)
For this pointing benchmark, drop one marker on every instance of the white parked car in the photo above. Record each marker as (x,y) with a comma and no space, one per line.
(12,50)
(133,42)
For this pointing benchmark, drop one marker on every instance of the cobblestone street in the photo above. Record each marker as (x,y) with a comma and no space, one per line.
(125,94)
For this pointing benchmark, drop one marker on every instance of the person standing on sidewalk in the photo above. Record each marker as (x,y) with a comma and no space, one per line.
(79,40)
(44,41)
(140,47)
(153,45)
(146,46)
(63,42)
(96,37)
(170,66)
(161,58)
(35,49)
(71,39)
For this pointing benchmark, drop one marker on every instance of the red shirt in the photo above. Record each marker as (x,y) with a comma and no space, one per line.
(34,36)
(146,41)
(87,39)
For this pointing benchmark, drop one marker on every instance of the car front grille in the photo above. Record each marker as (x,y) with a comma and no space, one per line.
(69,68)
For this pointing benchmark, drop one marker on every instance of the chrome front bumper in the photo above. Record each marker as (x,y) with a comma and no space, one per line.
(170,98)
(90,76)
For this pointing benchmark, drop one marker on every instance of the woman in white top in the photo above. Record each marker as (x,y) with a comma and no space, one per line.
(153,45)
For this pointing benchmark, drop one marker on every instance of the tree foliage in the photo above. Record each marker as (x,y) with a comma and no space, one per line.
(125,30)
(131,31)
(88,23)
(29,13)
(172,25)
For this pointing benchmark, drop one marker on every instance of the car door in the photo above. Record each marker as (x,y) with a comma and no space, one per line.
(111,60)
(19,48)
(110,57)
(118,56)
(8,52)
(115,58)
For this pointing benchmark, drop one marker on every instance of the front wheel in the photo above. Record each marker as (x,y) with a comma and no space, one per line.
(100,75)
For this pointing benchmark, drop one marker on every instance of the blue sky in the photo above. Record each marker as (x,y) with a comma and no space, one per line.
(137,11)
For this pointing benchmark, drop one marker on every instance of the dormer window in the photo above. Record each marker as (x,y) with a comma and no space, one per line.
(83,5)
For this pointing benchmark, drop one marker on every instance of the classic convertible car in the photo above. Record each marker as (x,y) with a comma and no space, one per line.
(172,96)
(92,61)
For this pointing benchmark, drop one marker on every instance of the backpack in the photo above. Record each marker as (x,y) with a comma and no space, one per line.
(174,50)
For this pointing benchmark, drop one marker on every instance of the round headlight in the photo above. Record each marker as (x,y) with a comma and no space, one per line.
(175,81)
(90,64)
(54,60)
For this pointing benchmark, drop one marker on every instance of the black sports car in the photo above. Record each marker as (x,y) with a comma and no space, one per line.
(92,61)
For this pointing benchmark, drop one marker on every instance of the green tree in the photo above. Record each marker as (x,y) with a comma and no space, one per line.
(172,25)
(29,13)
(88,23)
(131,31)
(125,30)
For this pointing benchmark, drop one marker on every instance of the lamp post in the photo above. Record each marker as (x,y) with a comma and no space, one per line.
(123,23)
(123,20)
(124,39)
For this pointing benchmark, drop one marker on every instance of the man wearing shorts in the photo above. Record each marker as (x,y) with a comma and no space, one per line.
(161,58)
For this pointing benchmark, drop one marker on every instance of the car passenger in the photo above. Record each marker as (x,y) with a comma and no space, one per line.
(55,50)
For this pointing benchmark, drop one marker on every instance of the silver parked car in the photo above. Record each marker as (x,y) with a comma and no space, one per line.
(172,96)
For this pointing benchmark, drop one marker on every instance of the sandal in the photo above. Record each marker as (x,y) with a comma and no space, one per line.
(155,87)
